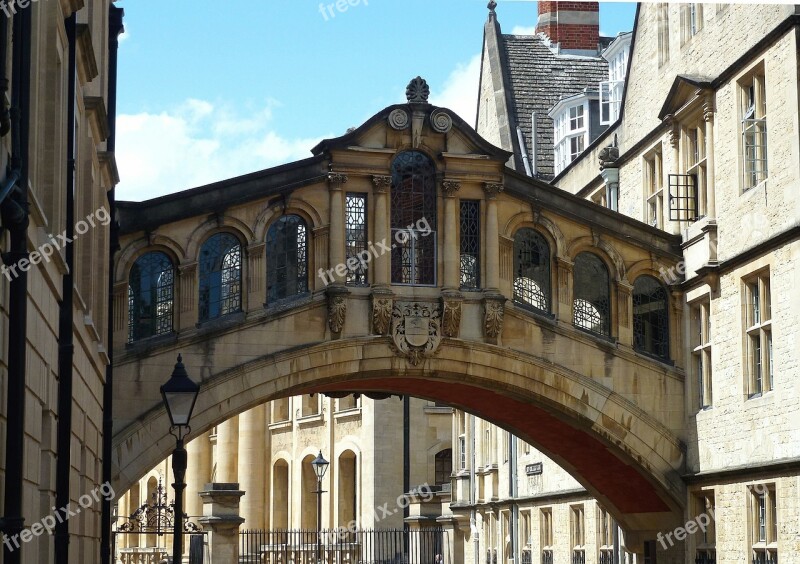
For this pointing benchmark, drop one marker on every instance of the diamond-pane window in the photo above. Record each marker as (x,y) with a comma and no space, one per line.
(470,245)
(220,276)
(355,215)
(592,303)
(287,258)
(150,296)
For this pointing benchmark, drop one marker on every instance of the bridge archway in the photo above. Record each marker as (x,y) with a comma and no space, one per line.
(624,457)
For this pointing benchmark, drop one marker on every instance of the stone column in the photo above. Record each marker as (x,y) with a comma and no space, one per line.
(564,291)
(451,258)
(221,519)
(198,474)
(711,200)
(252,465)
(227,447)
(673,227)
(624,313)
(256,272)
(382,263)
(186,283)
(336,254)
(492,236)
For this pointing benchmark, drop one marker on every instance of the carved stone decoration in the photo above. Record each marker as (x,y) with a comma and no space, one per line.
(399,119)
(337,307)
(451,314)
(416,330)
(609,157)
(336,179)
(708,109)
(492,189)
(382,303)
(450,187)
(381,183)
(674,130)
(494,310)
(441,121)
(417,91)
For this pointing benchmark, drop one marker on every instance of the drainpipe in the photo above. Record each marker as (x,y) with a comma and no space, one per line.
(534,140)
(115,27)
(512,492)
(524,151)
(66,347)
(15,217)
(473,493)
(406,455)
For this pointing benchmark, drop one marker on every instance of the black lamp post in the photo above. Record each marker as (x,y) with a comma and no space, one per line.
(180,395)
(320,466)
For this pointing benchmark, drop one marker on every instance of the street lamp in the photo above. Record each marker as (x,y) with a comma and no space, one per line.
(320,466)
(180,395)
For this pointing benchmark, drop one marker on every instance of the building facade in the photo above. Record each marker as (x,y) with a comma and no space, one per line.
(704,145)
(58,71)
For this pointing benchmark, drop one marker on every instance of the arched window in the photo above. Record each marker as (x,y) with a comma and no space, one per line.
(444,466)
(287,258)
(220,276)
(413,219)
(592,305)
(650,317)
(532,270)
(150,296)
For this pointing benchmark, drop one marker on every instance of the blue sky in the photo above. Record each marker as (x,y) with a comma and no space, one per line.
(211,89)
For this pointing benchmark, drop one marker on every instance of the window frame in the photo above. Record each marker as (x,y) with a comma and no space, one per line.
(564,133)
(469,242)
(531,241)
(605,330)
(160,295)
(757,308)
(757,115)
(653,172)
(233,297)
(665,329)
(302,265)
(763,545)
(354,245)
(701,347)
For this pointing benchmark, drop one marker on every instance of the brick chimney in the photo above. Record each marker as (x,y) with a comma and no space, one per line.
(574,26)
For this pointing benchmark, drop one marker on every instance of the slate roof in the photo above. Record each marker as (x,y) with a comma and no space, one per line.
(537,79)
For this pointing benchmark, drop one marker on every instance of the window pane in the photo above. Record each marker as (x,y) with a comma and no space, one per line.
(470,244)
(220,276)
(356,236)
(650,317)
(532,270)
(287,258)
(592,304)
(150,296)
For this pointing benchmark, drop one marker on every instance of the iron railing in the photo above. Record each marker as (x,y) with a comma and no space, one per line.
(606,556)
(578,557)
(547,556)
(343,546)
(765,557)
(705,556)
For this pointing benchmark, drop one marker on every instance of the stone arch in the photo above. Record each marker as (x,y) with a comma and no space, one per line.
(308,483)
(623,455)
(347,481)
(280,491)
(132,252)
(548,228)
(274,210)
(213,225)
(607,253)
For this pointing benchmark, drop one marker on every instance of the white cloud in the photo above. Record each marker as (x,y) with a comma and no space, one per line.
(524,30)
(460,92)
(198,143)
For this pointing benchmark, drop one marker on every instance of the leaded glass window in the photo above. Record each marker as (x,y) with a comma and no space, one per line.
(220,276)
(470,244)
(150,296)
(287,258)
(413,219)
(356,237)
(532,270)
(592,304)
(650,317)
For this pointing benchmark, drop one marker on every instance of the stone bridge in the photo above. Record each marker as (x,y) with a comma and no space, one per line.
(405,258)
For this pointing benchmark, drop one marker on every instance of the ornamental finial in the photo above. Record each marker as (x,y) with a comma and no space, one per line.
(492,5)
(417,91)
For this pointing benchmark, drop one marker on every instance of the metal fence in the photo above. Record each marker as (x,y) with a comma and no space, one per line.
(341,546)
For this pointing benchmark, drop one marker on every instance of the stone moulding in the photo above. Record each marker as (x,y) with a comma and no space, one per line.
(337,307)
(451,314)
(382,304)
(494,311)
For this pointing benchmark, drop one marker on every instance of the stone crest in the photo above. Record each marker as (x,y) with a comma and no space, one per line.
(416,330)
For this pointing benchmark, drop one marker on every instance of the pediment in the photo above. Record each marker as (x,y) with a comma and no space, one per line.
(415,124)
(685,89)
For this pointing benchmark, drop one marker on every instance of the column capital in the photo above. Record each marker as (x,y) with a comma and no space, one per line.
(381,183)
(450,187)
(336,180)
(492,189)
(708,109)
(674,129)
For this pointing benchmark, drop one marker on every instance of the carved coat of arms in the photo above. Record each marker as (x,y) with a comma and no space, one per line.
(416,330)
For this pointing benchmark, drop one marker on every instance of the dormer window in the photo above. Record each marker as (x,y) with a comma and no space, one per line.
(571,135)
(611,90)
